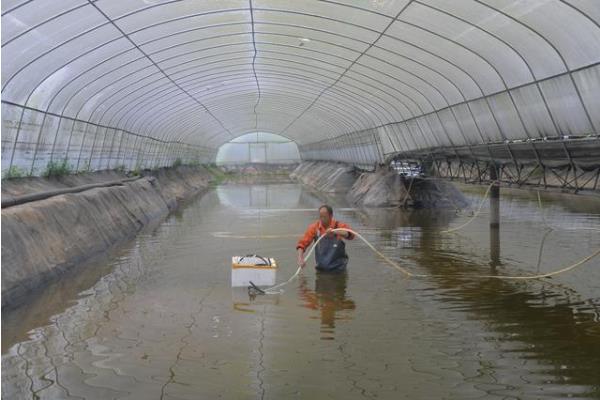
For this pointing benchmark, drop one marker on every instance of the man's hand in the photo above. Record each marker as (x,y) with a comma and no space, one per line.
(301,261)
(330,232)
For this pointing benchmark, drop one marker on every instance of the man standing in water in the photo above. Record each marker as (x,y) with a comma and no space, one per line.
(330,252)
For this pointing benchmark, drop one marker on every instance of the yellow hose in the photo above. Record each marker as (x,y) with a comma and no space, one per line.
(476,213)
(272,289)
(409,274)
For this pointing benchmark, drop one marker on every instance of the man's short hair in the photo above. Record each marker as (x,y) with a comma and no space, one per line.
(328,208)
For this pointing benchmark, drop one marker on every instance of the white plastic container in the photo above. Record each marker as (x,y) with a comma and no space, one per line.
(261,271)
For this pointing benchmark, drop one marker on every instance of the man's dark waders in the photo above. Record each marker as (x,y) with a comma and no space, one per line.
(330,253)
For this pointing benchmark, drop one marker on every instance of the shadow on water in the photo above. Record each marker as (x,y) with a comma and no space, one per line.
(533,320)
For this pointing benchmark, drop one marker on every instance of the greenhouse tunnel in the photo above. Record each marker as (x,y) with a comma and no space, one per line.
(104,84)
(141,137)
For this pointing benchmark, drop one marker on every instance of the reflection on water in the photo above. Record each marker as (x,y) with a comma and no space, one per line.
(259,196)
(160,320)
(543,333)
(329,298)
(495,248)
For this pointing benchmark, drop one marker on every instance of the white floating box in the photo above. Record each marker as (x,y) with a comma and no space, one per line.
(260,270)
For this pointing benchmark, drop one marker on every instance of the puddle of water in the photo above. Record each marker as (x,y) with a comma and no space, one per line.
(160,320)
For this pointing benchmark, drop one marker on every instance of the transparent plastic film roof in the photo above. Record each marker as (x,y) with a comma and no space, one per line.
(108,83)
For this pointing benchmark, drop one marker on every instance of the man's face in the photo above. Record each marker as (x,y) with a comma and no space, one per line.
(324,216)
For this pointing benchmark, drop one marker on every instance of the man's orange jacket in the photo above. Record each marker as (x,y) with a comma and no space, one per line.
(317,229)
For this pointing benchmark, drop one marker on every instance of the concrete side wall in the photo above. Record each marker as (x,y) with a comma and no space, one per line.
(382,188)
(41,239)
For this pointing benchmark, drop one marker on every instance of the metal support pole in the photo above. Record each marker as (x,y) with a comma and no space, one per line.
(494,217)
(494,198)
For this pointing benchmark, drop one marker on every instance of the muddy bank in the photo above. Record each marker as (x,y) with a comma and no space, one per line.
(257,173)
(325,176)
(259,168)
(382,188)
(42,239)
(36,184)
(385,188)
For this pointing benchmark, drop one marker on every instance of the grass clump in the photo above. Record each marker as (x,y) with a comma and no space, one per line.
(194,163)
(14,172)
(218,175)
(57,168)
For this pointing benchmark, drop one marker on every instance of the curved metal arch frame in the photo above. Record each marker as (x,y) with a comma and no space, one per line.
(516,108)
(242,88)
(232,75)
(183,122)
(200,84)
(345,48)
(246,128)
(290,75)
(203,71)
(536,81)
(361,74)
(155,64)
(527,64)
(263,64)
(312,72)
(319,52)
(287,77)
